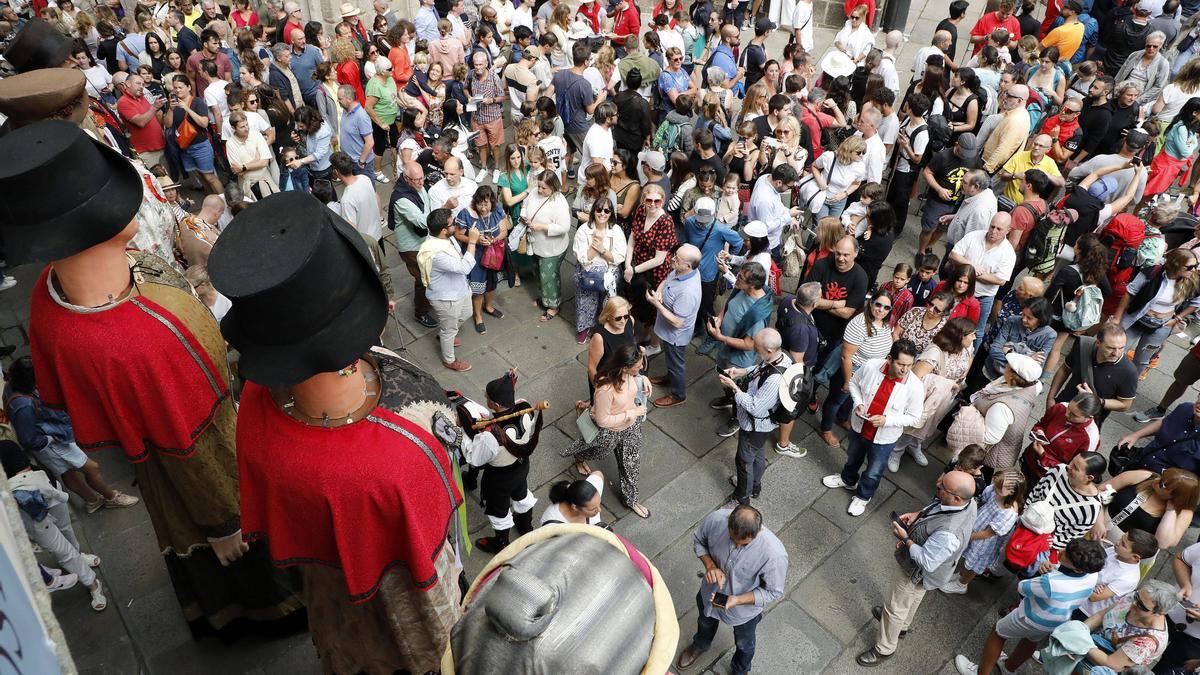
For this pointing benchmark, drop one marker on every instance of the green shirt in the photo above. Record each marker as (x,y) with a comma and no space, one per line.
(517,183)
(407,212)
(385,93)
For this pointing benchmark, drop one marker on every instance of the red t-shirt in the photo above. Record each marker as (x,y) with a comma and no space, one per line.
(1023,219)
(1059,129)
(200,81)
(968,307)
(989,22)
(148,138)
(288,28)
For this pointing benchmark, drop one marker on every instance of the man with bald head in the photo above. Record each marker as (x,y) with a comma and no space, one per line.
(1011,130)
(929,544)
(753,410)
(939,46)
(408,217)
(994,259)
(305,58)
(677,300)
(1036,157)
(453,191)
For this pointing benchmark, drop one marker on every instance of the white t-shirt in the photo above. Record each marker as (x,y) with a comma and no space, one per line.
(670,38)
(1163,301)
(441,192)
(1173,99)
(595,78)
(214,96)
(597,148)
(875,158)
(918,143)
(889,128)
(553,513)
(256,122)
(1121,578)
(556,149)
(360,207)
(998,260)
(843,175)
(887,70)
(1190,556)
(802,21)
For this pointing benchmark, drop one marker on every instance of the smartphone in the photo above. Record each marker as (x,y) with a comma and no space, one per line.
(719,599)
(896,519)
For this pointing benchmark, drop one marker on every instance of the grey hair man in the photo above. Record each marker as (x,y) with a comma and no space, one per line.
(875,157)
(930,543)
(752,408)
(677,301)
(976,210)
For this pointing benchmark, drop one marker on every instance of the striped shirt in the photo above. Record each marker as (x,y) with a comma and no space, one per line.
(1048,600)
(875,346)
(1074,513)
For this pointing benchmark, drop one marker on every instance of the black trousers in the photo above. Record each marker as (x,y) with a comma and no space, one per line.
(899,191)
(502,485)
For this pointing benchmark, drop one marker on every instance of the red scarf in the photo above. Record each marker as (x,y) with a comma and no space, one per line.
(159,394)
(365,497)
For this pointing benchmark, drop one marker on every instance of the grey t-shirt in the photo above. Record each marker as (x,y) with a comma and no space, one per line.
(1121,177)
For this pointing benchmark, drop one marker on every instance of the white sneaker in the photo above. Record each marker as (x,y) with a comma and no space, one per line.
(62,582)
(894,461)
(791,450)
(857,506)
(955,587)
(8,283)
(495,176)
(834,480)
(380,178)
(965,666)
(918,455)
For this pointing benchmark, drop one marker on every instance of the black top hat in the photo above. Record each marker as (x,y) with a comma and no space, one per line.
(38,45)
(306,298)
(66,192)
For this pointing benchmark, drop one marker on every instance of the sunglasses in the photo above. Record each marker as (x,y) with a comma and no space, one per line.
(651,200)
(1137,600)
(937,310)
(622,317)
(604,209)
(1069,112)
(880,305)
(1191,267)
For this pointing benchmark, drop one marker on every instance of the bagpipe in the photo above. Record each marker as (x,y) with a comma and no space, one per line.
(517,429)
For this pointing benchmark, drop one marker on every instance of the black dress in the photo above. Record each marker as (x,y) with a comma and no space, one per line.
(612,342)
(1139,519)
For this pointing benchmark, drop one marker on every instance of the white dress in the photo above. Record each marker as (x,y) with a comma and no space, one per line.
(857,41)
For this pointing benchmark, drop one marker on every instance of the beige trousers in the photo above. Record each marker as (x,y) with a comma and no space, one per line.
(899,606)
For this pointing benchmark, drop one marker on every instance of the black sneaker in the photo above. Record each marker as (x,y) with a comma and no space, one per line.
(721,403)
(427,321)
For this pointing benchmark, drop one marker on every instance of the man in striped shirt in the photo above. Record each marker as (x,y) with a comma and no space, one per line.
(1046,602)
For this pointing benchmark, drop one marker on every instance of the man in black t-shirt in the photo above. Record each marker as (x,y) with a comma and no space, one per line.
(1114,377)
(958,10)
(843,290)
(704,154)
(944,175)
(1094,120)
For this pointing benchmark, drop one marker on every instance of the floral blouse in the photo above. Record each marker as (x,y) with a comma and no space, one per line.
(660,237)
(914,329)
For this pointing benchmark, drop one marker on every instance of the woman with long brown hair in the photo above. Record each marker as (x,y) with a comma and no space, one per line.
(1161,504)
(1149,314)
(1091,262)
(596,185)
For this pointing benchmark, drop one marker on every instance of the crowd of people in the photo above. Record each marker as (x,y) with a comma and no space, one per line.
(689,191)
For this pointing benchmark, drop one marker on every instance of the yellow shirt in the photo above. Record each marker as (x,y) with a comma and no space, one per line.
(1067,38)
(189,20)
(1019,164)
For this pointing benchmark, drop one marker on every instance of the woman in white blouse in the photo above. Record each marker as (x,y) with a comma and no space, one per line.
(838,174)
(98,80)
(548,217)
(599,249)
(855,38)
(249,158)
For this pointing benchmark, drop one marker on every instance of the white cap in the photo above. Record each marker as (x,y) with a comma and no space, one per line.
(706,209)
(755,228)
(1024,366)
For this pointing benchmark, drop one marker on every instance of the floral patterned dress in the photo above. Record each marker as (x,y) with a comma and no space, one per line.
(913,324)
(648,239)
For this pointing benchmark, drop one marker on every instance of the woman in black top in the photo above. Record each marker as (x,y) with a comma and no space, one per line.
(634,120)
(961,105)
(1091,263)
(157,51)
(1125,114)
(613,330)
(876,243)
(1159,504)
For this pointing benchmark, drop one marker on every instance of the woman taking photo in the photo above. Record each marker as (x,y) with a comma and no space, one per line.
(188,129)
(652,237)
(576,501)
(942,367)
(549,221)
(1066,430)
(1160,504)
(921,324)
(382,107)
(839,174)
(742,156)
(618,416)
(249,158)
(867,337)
(1157,302)
(599,251)
(485,213)
(963,290)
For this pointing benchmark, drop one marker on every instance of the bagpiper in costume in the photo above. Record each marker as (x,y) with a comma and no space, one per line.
(503,450)
(341,475)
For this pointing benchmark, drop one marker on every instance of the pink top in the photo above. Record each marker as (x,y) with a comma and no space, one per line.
(610,407)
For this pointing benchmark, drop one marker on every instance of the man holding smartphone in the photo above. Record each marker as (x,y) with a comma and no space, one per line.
(745,566)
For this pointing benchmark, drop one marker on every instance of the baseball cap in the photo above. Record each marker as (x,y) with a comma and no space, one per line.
(763,26)
(968,141)
(706,210)
(653,159)
(1144,7)
(1136,139)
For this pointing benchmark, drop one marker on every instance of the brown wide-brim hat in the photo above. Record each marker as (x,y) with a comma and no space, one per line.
(47,94)
(38,45)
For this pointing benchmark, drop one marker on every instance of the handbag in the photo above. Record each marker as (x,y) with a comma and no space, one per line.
(493,256)
(587,426)
(185,133)
(592,281)
(1123,458)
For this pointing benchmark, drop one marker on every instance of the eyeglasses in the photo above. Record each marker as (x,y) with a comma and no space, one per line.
(880,305)
(1150,46)
(622,317)
(1068,111)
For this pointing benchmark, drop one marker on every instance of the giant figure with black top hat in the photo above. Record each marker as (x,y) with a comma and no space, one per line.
(120,340)
(341,474)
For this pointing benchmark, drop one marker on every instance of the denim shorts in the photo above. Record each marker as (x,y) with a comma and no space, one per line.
(198,157)
(59,457)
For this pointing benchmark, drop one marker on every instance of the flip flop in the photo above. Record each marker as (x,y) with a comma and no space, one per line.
(635,511)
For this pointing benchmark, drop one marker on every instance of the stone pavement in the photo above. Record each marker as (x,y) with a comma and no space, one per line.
(838,564)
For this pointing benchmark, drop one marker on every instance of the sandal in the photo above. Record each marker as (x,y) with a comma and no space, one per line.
(495,311)
(99,602)
(480,328)
(547,316)
(583,469)
(638,513)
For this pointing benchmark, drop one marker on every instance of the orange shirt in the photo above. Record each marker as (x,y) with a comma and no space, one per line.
(402,70)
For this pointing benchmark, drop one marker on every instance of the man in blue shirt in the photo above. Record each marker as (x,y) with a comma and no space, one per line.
(355,136)
(426,21)
(677,300)
(722,56)
(709,236)
(1176,440)
(305,58)
(674,81)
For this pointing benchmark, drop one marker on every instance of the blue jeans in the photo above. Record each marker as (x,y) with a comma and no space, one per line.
(751,463)
(831,208)
(743,638)
(676,374)
(985,309)
(1146,342)
(837,404)
(876,456)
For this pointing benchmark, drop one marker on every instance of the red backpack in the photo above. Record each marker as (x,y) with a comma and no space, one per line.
(1024,547)
(1123,235)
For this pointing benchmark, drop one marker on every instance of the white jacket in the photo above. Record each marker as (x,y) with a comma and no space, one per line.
(903,408)
(555,212)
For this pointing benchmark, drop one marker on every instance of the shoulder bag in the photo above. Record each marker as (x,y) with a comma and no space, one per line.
(185,133)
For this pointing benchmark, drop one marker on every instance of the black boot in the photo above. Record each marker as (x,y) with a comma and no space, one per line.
(493,544)
(524,521)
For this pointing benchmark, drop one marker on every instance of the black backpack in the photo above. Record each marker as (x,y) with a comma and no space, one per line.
(1041,237)
(940,135)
